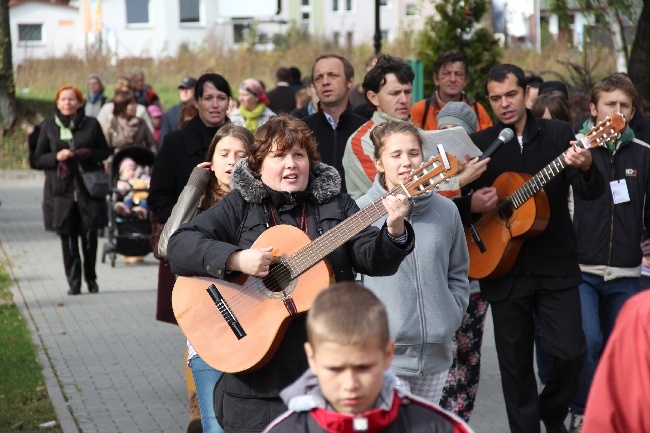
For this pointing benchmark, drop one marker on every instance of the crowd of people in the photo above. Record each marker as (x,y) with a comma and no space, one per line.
(309,154)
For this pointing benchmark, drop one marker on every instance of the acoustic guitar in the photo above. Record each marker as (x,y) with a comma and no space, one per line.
(495,239)
(237,326)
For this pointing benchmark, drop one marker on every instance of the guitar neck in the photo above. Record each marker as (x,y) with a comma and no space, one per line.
(537,182)
(320,247)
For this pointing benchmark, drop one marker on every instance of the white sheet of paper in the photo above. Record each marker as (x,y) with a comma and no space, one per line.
(619,191)
(454,140)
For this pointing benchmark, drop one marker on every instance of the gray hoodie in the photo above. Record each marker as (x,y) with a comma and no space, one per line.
(427,297)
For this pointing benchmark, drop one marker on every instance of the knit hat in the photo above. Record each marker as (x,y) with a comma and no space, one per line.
(154,111)
(127,162)
(254,87)
(549,86)
(459,114)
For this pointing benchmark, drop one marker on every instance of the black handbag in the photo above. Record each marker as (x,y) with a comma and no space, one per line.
(97,182)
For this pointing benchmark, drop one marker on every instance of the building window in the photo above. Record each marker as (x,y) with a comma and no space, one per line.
(190,11)
(305,21)
(348,5)
(30,32)
(336,39)
(383,2)
(411,10)
(305,2)
(335,5)
(240,29)
(349,38)
(384,35)
(137,11)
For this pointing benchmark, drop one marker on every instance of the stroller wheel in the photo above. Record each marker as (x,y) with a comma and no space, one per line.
(113,256)
(104,253)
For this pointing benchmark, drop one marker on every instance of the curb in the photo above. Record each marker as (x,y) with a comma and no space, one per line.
(64,416)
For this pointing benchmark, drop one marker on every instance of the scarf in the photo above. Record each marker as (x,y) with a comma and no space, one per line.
(66,124)
(94,97)
(252,116)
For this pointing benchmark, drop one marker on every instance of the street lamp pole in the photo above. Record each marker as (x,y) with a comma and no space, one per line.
(377,29)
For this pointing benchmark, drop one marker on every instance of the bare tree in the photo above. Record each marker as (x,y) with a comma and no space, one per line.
(639,69)
(7,85)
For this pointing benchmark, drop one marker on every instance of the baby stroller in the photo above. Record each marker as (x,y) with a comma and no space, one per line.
(128,236)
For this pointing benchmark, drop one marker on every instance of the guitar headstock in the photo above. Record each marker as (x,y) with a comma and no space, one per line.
(430,174)
(606,130)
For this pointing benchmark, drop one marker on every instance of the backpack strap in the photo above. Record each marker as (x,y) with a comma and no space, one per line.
(241,225)
(427,105)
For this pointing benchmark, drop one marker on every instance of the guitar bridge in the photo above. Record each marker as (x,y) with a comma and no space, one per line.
(226,312)
(476,238)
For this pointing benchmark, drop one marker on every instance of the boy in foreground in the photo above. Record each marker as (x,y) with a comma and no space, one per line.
(349,387)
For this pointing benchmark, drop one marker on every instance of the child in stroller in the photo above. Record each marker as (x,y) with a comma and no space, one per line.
(133,184)
(129,228)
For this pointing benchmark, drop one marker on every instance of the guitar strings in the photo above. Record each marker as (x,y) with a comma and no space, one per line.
(282,273)
(596,134)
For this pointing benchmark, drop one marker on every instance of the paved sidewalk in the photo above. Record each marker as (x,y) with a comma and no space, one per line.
(109,365)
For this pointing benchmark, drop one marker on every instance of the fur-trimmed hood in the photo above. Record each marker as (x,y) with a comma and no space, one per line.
(324,183)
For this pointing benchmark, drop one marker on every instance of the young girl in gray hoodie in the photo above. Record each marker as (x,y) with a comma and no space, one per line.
(427,297)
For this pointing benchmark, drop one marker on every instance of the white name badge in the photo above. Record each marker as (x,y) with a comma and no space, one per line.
(619,191)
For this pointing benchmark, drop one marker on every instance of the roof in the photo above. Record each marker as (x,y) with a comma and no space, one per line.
(15,3)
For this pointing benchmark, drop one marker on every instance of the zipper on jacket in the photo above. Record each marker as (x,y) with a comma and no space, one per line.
(611,216)
(418,291)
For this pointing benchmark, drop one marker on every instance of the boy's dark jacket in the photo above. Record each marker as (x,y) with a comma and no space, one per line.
(396,411)
(611,234)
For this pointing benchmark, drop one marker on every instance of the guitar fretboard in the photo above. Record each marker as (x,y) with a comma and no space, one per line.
(537,182)
(320,247)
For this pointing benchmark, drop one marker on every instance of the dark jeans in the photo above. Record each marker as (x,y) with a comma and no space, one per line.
(559,317)
(601,301)
(543,358)
(71,254)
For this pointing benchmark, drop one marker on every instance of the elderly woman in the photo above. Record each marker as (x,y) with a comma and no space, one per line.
(95,98)
(281,182)
(67,142)
(253,111)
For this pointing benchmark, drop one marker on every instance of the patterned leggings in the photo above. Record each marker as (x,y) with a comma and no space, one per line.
(462,381)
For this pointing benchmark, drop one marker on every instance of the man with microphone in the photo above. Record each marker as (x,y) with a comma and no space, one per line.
(545,275)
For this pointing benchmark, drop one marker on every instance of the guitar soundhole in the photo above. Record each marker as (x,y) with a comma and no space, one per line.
(505,211)
(278,279)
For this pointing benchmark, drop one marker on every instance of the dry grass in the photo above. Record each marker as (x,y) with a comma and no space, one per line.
(37,80)
(43,76)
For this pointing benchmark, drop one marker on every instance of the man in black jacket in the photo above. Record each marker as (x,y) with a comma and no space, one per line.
(282,97)
(545,275)
(334,123)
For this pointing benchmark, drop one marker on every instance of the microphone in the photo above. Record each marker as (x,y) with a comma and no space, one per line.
(505,136)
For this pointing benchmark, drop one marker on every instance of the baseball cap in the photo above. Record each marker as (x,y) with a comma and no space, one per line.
(187,83)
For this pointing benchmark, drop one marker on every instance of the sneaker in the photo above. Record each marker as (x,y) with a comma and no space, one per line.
(576,423)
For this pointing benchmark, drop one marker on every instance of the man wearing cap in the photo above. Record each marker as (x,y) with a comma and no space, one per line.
(450,77)
(170,118)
